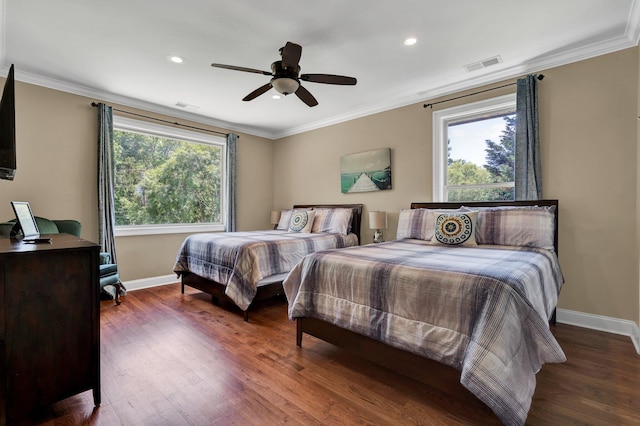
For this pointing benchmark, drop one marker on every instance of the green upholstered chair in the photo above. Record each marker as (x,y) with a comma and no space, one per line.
(110,285)
(46,226)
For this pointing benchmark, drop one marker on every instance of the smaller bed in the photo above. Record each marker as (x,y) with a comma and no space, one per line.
(244,267)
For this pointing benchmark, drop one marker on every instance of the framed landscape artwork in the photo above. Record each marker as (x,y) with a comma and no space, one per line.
(366,171)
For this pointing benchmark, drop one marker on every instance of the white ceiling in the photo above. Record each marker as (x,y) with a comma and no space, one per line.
(117,51)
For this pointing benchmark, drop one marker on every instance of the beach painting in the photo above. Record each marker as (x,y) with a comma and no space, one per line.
(366,171)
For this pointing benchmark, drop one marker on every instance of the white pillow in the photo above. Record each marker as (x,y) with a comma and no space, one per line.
(301,221)
(285,219)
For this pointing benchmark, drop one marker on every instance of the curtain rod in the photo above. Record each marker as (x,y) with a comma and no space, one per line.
(93,104)
(539,77)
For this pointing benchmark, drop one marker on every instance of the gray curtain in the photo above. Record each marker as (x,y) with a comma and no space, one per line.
(528,170)
(106,214)
(232,180)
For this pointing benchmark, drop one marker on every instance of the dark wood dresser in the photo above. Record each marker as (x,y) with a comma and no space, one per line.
(49,323)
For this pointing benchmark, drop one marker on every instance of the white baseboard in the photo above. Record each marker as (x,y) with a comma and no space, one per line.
(150,282)
(601,323)
(564,316)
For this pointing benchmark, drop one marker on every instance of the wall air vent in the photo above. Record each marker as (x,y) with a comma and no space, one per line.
(483,64)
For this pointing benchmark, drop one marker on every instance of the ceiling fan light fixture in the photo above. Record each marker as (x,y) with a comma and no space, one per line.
(285,76)
(285,85)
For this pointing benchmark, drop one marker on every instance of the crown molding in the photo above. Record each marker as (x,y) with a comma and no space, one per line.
(633,23)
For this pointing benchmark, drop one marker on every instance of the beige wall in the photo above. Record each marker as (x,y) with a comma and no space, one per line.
(56,153)
(307,166)
(589,120)
(588,130)
(57,162)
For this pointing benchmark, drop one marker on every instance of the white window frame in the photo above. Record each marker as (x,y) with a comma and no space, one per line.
(443,118)
(139,126)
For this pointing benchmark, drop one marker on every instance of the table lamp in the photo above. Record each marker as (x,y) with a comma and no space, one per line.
(275,218)
(378,221)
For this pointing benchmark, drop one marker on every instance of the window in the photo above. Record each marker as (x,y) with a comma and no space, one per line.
(474,151)
(167,180)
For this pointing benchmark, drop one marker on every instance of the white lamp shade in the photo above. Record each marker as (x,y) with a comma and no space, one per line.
(377,220)
(275,217)
(284,85)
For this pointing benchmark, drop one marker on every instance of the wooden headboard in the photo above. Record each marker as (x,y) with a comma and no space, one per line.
(458,204)
(356,219)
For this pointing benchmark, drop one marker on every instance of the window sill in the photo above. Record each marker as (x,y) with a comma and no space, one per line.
(130,231)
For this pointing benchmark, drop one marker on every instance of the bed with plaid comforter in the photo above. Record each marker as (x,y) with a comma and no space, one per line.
(239,260)
(482,310)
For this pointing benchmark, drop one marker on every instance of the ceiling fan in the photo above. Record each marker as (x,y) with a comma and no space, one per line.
(286,76)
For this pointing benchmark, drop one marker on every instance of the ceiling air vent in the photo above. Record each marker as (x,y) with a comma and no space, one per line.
(186,105)
(483,64)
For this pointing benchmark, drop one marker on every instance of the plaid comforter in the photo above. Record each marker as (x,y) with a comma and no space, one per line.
(240,259)
(482,310)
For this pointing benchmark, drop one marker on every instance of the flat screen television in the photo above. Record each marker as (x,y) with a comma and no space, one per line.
(8,129)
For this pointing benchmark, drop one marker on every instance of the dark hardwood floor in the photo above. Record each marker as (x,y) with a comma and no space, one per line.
(174,359)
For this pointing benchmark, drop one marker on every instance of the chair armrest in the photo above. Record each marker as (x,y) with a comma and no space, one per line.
(105,258)
(5,228)
(69,226)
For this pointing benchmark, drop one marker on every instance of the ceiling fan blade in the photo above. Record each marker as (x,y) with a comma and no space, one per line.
(233,67)
(329,79)
(259,91)
(291,54)
(306,97)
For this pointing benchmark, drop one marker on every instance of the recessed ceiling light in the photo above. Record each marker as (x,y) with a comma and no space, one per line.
(175,59)
(410,41)
(276,96)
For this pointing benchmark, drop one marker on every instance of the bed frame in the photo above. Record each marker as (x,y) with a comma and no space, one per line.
(268,288)
(397,359)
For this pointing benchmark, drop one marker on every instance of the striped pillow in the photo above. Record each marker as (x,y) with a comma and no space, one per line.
(418,223)
(517,226)
(332,220)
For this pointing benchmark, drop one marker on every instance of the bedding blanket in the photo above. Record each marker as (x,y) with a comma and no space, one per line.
(482,310)
(240,259)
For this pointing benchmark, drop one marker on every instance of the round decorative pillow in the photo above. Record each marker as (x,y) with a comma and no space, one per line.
(455,229)
(301,221)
